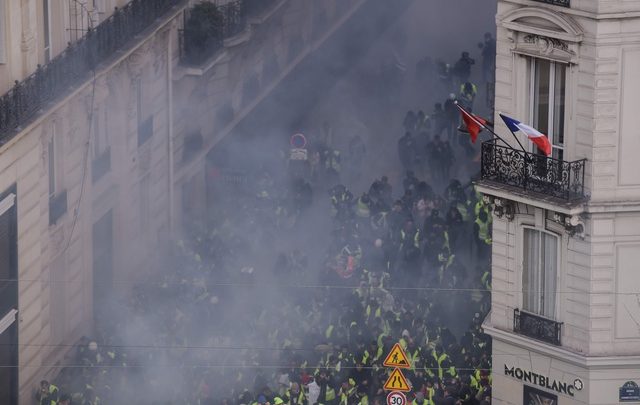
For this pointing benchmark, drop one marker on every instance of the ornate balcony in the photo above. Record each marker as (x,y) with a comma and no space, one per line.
(533,173)
(537,327)
(27,98)
(207,25)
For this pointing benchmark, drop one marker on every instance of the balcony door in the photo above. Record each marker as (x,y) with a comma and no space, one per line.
(548,91)
(540,272)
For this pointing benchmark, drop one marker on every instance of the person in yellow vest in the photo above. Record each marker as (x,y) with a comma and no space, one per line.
(421,399)
(327,394)
(482,230)
(445,367)
(347,393)
(48,393)
(363,209)
(486,280)
(468,93)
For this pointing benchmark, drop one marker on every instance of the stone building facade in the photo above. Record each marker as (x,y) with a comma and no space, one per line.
(565,313)
(93,175)
(85,195)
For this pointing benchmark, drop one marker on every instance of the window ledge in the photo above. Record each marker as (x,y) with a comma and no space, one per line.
(517,194)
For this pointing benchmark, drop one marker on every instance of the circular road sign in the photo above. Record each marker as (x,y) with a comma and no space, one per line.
(396,398)
(298,141)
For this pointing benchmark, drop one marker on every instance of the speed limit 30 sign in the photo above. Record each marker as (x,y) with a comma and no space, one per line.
(396,398)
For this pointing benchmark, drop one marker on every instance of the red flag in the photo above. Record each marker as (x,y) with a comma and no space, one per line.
(474,123)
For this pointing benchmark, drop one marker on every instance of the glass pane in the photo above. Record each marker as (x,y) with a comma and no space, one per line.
(550,273)
(530,271)
(52,167)
(541,95)
(557,153)
(558,104)
(45,15)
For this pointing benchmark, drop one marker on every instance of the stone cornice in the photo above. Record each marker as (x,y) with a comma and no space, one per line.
(579,13)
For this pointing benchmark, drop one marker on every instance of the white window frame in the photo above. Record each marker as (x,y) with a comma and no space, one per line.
(532,104)
(556,309)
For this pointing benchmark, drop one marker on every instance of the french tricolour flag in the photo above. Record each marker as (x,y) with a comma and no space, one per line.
(541,140)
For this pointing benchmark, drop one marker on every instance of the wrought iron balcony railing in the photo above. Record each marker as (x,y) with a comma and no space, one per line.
(533,172)
(207,25)
(50,81)
(537,327)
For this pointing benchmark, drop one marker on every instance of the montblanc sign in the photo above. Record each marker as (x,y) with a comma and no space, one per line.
(544,381)
(561,3)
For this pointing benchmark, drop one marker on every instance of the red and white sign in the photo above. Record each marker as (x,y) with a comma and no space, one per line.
(298,141)
(396,398)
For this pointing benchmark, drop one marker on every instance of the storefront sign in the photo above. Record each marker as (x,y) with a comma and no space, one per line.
(534,396)
(561,3)
(629,392)
(544,381)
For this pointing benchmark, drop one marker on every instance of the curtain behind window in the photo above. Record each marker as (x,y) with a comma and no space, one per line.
(539,275)
(549,260)
(530,273)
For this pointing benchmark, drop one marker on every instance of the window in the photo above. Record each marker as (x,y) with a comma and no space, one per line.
(145,124)
(57,193)
(8,298)
(100,131)
(540,272)
(52,166)
(101,159)
(46,28)
(548,88)
(145,202)
(138,89)
(55,170)
(3,26)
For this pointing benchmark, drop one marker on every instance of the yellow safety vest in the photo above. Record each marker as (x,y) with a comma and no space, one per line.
(483,231)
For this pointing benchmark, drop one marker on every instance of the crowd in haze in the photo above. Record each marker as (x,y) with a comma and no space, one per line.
(241,314)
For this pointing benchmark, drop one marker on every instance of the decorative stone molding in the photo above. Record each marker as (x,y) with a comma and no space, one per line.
(501,207)
(544,22)
(541,33)
(546,47)
(573,224)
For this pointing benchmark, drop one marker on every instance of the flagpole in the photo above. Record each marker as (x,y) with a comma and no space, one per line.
(482,125)
(514,135)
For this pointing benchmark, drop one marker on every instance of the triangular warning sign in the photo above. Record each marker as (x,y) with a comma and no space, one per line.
(396,382)
(397,358)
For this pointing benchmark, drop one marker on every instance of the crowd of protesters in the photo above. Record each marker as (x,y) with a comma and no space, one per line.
(236,316)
